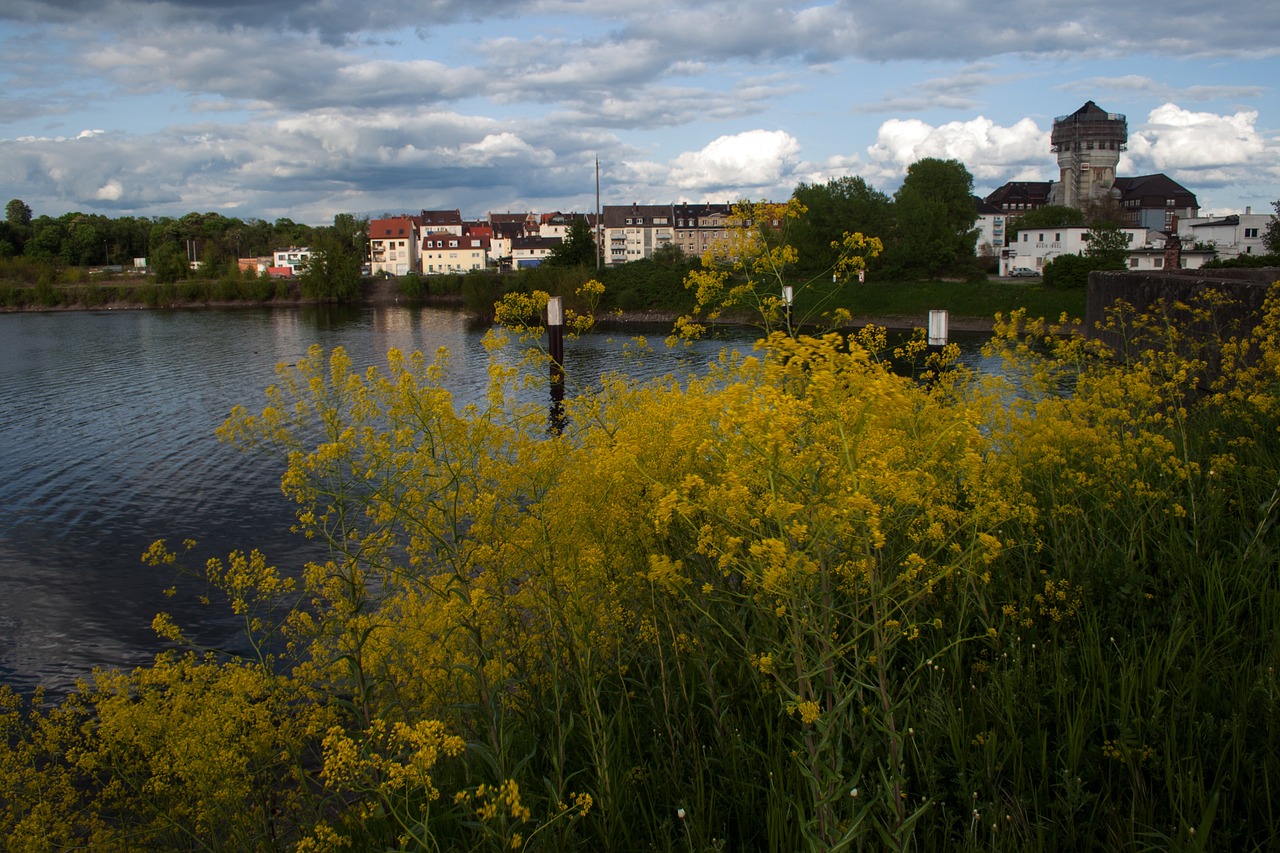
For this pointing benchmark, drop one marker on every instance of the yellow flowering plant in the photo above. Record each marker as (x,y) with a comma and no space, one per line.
(797,602)
(748,274)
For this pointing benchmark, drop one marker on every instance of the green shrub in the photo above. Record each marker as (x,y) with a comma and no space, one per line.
(1072,271)
(411,286)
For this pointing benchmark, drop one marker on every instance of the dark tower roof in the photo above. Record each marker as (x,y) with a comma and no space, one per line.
(1090,123)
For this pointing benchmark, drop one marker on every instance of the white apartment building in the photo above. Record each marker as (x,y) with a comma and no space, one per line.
(294,258)
(1034,248)
(1232,236)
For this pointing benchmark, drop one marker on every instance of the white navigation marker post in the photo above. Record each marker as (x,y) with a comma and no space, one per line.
(938,322)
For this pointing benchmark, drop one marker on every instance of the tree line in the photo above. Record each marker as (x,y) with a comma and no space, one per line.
(203,244)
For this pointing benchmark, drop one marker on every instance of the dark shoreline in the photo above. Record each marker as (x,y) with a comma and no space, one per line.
(380,294)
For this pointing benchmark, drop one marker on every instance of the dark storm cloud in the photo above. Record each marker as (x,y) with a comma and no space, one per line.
(334,21)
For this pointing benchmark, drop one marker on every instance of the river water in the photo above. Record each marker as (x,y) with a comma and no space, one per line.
(107,443)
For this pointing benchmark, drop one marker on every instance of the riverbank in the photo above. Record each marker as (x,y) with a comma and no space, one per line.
(383,292)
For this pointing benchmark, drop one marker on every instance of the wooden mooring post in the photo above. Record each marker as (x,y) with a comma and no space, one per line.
(555,346)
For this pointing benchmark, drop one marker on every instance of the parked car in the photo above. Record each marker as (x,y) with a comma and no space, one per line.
(1021,272)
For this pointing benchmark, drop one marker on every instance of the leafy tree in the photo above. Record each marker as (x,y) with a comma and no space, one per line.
(669,256)
(333,271)
(1050,216)
(46,239)
(578,249)
(835,208)
(934,216)
(168,262)
(18,213)
(1108,244)
(1271,236)
(83,243)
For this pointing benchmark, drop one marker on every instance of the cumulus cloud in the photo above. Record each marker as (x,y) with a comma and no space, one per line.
(1207,152)
(988,150)
(1175,138)
(743,162)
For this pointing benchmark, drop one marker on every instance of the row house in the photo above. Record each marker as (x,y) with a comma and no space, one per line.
(557,224)
(440,222)
(514,224)
(700,226)
(506,232)
(393,246)
(397,243)
(633,232)
(445,252)
(530,251)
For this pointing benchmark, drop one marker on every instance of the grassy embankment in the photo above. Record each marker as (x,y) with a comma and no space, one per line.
(644,287)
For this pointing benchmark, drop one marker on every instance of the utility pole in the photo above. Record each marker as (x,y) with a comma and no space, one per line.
(599,225)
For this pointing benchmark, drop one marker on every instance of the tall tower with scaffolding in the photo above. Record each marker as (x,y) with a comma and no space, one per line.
(1088,143)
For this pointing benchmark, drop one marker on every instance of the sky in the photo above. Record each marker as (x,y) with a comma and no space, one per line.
(309,108)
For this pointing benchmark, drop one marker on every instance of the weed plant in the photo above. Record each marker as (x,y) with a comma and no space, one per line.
(796,603)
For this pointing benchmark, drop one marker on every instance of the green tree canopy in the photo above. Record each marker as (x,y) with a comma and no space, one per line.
(337,251)
(934,214)
(1050,216)
(1109,244)
(17,213)
(578,249)
(839,206)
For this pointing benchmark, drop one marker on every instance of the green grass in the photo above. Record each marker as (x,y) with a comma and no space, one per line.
(962,299)
(646,286)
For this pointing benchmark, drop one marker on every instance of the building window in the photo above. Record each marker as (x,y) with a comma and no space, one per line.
(1057,237)
(1157,262)
(1250,232)
(1133,263)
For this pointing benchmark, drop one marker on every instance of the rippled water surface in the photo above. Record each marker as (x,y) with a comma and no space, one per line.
(107,444)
